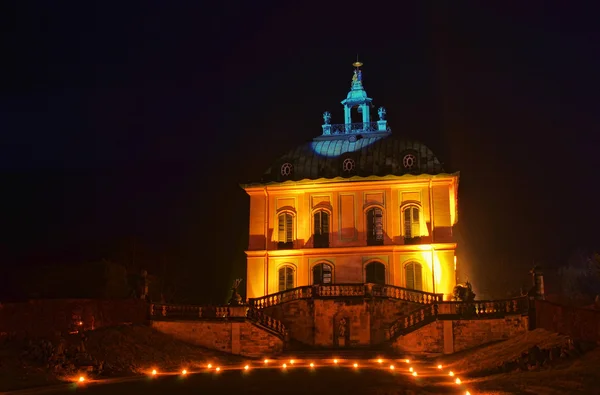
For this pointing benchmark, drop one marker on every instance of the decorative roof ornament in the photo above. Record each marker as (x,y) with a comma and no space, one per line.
(359,103)
(357,77)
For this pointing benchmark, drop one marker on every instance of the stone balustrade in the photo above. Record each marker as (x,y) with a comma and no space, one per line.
(346,290)
(183,312)
(409,295)
(412,321)
(171,312)
(457,311)
(484,308)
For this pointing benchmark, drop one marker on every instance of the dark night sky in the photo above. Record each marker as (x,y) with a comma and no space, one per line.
(130,125)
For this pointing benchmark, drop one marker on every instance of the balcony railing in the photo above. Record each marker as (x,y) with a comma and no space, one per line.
(354,128)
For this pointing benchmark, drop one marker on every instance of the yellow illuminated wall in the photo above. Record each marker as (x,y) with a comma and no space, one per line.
(347,203)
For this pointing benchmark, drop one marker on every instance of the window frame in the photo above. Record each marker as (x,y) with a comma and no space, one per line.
(412,234)
(321,264)
(371,237)
(287,231)
(324,242)
(414,275)
(284,268)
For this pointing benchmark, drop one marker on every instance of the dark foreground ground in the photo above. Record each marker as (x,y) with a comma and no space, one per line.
(296,380)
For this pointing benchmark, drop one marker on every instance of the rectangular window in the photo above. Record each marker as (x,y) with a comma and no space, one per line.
(286,278)
(407,224)
(412,227)
(321,229)
(375,226)
(410,276)
(285,231)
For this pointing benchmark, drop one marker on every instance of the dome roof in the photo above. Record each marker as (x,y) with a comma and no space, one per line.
(371,154)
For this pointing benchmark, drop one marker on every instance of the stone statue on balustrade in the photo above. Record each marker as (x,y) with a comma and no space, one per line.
(381,112)
(236,299)
(327,117)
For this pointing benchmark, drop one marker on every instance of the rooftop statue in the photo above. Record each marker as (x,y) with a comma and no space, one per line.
(381,111)
(327,117)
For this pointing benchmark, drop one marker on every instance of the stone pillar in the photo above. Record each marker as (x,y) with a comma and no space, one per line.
(347,116)
(366,113)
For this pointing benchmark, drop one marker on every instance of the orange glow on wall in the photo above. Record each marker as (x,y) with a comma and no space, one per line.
(346,204)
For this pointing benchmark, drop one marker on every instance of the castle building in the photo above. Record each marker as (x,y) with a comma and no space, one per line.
(359,204)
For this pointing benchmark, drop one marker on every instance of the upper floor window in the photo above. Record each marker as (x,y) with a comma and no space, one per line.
(413,273)
(322,273)
(321,229)
(285,231)
(412,225)
(375,273)
(286,278)
(375,226)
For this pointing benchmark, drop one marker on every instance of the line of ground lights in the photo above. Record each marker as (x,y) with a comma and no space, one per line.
(288,364)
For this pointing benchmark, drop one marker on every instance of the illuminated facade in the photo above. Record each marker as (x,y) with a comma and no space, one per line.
(358,204)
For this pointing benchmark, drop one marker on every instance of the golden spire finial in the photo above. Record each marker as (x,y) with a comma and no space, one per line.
(357,64)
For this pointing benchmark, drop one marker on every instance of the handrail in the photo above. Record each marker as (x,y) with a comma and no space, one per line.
(345,290)
(412,321)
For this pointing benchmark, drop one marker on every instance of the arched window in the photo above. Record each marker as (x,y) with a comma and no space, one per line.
(286,231)
(412,225)
(375,273)
(414,276)
(286,278)
(322,273)
(321,229)
(375,226)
